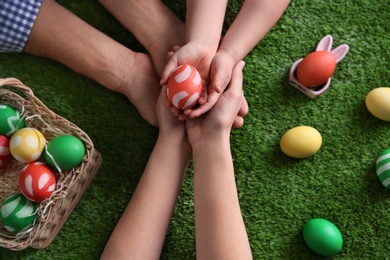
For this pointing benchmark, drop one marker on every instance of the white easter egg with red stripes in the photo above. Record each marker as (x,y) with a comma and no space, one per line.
(184,87)
(37,181)
(5,155)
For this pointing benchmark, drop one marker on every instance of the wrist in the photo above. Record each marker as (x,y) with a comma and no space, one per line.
(177,140)
(203,43)
(203,47)
(210,143)
(230,51)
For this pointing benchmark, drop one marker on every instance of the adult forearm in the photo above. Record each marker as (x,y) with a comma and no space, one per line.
(220,229)
(254,21)
(155,26)
(60,35)
(204,21)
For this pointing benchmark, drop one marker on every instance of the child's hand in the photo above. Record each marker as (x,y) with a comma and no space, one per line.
(220,74)
(167,122)
(221,118)
(197,55)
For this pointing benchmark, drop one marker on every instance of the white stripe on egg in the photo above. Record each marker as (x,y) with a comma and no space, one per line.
(184,75)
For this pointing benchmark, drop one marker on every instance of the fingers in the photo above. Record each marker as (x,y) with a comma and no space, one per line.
(171,65)
(203,95)
(175,48)
(238,122)
(170,54)
(220,76)
(175,110)
(211,100)
(234,92)
(167,103)
(244,109)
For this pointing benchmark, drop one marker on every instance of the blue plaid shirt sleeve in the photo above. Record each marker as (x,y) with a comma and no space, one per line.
(17,18)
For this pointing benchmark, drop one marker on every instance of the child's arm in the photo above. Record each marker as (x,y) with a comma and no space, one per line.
(219,226)
(252,23)
(204,20)
(254,20)
(141,231)
(220,229)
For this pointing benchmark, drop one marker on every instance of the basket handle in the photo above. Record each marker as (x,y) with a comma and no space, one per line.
(36,103)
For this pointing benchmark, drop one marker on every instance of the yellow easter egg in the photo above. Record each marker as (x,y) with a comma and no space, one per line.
(301,142)
(378,103)
(27,144)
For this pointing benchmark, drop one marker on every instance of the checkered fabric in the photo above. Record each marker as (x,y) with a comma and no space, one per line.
(17,18)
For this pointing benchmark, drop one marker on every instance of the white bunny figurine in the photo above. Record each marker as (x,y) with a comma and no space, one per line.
(324,45)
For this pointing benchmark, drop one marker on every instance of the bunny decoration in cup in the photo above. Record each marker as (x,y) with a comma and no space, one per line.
(317,67)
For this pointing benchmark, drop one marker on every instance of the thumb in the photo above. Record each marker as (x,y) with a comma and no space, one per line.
(171,65)
(234,89)
(220,76)
(230,104)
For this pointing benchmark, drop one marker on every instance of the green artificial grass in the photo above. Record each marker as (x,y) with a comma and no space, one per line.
(278,194)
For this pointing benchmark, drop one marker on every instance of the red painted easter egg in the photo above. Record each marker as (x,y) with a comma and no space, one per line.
(184,87)
(316,68)
(5,155)
(37,181)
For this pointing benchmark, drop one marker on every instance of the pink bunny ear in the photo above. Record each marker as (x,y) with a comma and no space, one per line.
(325,44)
(340,51)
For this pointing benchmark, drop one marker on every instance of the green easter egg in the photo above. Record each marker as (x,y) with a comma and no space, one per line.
(322,236)
(383,168)
(66,150)
(17,213)
(10,120)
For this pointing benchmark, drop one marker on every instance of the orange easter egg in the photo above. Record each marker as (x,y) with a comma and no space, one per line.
(184,87)
(316,68)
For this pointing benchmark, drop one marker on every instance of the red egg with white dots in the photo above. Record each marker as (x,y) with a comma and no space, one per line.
(184,87)
(37,181)
(5,155)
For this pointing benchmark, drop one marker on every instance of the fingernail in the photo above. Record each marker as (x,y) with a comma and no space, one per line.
(242,65)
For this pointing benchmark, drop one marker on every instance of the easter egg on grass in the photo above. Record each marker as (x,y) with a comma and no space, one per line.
(378,103)
(17,213)
(301,142)
(27,144)
(37,181)
(316,68)
(66,151)
(10,120)
(184,87)
(383,168)
(5,155)
(322,236)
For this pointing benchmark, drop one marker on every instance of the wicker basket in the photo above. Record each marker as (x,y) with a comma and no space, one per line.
(53,212)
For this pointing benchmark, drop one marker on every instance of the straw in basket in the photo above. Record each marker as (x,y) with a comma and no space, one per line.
(53,212)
